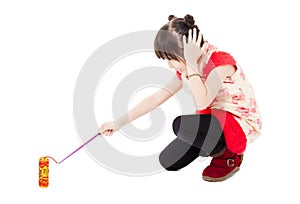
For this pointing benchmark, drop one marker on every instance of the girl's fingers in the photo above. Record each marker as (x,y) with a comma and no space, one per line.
(184,39)
(194,35)
(205,47)
(199,39)
(106,132)
(190,35)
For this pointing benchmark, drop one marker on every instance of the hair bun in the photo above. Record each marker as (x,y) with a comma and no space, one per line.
(171,17)
(189,19)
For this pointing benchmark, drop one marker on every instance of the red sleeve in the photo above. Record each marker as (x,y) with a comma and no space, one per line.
(218,59)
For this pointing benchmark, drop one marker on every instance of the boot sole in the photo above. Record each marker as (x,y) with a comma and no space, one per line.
(210,179)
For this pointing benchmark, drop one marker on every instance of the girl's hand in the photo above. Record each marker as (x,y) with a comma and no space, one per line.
(191,48)
(195,56)
(108,128)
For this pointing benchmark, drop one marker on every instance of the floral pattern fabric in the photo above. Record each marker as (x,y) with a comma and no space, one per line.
(236,96)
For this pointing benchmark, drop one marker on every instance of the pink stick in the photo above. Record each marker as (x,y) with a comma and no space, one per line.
(79,148)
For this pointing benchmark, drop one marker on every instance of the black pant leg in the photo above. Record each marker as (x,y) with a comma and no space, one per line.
(177,155)
(201,131)
(196,135)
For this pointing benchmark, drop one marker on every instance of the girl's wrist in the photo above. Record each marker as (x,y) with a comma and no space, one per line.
(191,70)
(191,66)
(194,75)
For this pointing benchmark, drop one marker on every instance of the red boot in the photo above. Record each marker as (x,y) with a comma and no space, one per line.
(222,166)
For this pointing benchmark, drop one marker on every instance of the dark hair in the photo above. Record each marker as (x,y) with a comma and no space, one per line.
(168,43)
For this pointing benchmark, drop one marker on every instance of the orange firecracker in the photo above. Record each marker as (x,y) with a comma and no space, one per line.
(44,172)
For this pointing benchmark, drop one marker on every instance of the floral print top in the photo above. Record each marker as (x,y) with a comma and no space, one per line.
(236,96)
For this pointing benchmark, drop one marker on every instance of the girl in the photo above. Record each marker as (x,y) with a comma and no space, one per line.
(227,117)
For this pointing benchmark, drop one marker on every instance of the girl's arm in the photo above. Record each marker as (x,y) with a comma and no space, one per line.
(151,102)
(204,92)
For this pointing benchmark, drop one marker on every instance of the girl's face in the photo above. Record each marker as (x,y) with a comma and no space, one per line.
(178,66)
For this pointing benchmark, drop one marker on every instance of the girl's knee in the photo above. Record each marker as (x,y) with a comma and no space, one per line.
(166,164)
(176,124)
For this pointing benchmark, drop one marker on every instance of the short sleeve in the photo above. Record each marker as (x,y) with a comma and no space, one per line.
(218,59)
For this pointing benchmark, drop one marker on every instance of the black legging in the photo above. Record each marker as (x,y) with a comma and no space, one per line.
(197,135)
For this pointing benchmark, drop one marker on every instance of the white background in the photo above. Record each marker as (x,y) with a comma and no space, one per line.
(43,46)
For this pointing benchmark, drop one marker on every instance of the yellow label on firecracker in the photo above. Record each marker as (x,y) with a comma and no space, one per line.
(44,172)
